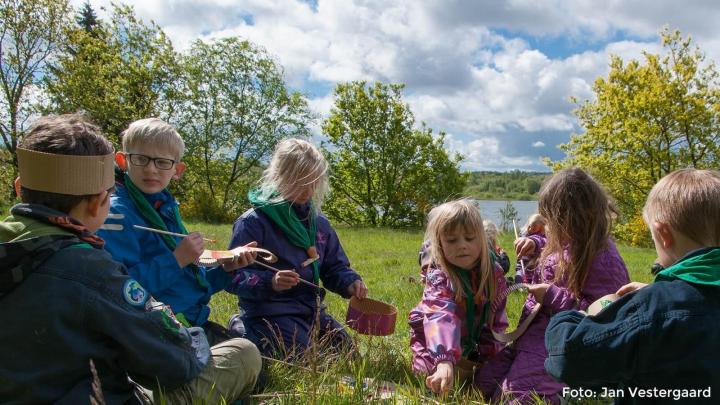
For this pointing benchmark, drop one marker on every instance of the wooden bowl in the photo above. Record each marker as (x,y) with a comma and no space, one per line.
(371,317)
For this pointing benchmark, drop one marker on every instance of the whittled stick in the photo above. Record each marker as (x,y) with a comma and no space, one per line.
(522,265)
(169,233)
(271,268)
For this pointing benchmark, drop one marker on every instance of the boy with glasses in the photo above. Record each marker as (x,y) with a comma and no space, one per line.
(165,265)
(71,315)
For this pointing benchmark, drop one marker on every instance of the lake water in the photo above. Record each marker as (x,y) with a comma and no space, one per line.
(491,210)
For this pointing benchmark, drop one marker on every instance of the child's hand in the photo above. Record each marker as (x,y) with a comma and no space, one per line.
(441,380)
(285,280)
(358,289)
(628,288)
(243,259)
(524,247)
(539,290)
(189,249)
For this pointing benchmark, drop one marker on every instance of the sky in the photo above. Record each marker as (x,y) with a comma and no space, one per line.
(495,76)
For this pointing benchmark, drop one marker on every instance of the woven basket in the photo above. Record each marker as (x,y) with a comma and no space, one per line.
(371,317)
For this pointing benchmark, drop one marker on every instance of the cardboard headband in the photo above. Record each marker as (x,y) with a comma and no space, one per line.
(65,174)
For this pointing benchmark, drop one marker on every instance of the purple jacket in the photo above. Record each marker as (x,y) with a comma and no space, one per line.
(607,273)
(253,284)
(443,322)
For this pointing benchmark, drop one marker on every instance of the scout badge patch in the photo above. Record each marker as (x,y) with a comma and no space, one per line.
(134,293)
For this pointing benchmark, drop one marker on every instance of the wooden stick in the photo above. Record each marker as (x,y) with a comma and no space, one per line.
(169,233)
(276,394)
(271,268)
(522,265)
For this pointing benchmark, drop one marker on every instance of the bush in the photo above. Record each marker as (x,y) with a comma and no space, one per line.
(634,232)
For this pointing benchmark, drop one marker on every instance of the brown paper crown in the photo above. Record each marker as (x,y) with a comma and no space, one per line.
(65,174)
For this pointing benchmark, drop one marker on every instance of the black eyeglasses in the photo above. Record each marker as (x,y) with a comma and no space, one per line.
(142,160)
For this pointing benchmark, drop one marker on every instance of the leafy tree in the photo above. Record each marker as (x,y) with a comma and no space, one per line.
(384,172)
(513,185)
(122,71)
(232,109)
(31,32)
(86,18)
(508,217)
(647,120)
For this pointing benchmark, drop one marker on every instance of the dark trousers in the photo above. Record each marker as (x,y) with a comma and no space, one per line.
(289,336)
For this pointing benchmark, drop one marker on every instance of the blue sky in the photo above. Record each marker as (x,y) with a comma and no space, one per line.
(496,76)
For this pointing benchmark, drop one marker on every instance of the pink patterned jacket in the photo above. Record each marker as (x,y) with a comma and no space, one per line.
(437,323)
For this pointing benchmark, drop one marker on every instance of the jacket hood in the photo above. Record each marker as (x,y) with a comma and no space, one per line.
(24,244)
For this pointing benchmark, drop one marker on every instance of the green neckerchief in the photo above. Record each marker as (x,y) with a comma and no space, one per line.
(474,329)
(699,267)
(493,254)
(151,216)
(285,218)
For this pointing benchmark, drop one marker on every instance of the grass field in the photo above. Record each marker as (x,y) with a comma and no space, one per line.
(387,261)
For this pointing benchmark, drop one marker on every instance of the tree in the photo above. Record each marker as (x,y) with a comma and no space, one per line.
(508,217)
(647,120)
(122,71)
(31,31)
(384,172)
(233,107)
(86,18)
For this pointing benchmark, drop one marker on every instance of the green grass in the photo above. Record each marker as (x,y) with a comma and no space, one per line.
(388,262)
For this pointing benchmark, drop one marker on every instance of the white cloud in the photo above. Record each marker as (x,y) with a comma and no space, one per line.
(464,73)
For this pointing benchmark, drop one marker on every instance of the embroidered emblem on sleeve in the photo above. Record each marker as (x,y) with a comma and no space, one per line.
(134,293)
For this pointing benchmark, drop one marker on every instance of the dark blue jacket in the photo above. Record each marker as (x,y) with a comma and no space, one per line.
(150,261)
(664,336)
(74,303)
(253,284)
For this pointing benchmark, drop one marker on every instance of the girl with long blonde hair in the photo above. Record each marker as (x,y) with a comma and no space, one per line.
(453,321)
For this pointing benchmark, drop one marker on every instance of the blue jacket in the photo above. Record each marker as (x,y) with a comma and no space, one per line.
(150,261)
(663,336)
(73,304)
(253,284)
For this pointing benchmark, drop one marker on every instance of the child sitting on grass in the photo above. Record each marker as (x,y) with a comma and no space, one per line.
(532,233)
(278,312)
(66,303)
(491,232)
(578,265)
(665,335)
(453,321)
(165,265)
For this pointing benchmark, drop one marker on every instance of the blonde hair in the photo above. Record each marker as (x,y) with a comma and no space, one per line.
(295,163)
(448,217)
(491,232)
(579,214)
(153,132)
(688,200)
(535,219)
